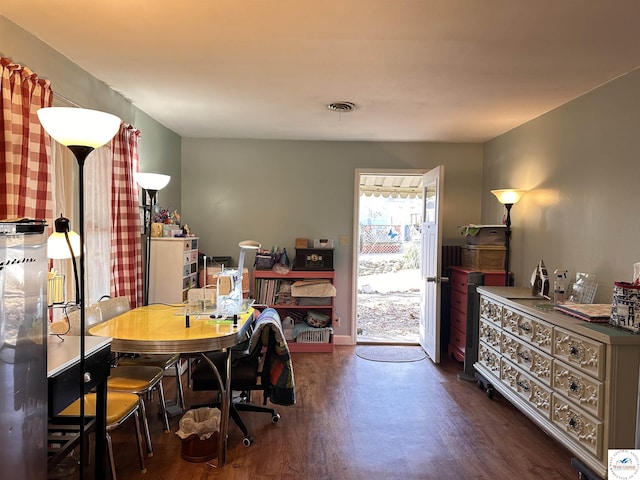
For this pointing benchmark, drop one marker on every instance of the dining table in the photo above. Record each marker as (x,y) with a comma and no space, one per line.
(185,329)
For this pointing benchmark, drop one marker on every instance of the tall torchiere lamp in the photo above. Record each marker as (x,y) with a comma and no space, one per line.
(152,183)
(81,131)
(508,197)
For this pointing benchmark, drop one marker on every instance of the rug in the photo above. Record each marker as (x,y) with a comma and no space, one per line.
(390,353)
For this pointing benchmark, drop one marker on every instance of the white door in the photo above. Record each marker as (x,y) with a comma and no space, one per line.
(430,287)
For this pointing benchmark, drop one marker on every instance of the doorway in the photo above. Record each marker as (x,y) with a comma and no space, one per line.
(387,250)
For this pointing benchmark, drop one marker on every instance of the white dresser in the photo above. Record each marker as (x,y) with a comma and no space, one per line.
(577,380)
(173,269)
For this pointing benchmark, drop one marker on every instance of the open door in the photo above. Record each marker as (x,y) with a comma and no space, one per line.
(431,248)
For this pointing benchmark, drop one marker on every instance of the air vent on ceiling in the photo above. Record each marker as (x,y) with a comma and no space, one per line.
(341,107)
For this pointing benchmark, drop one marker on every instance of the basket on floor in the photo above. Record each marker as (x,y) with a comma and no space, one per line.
(319,335)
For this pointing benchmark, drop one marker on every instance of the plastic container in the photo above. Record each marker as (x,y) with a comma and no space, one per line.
(560,286)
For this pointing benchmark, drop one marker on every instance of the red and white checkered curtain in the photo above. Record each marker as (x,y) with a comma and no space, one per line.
(126,246)
(25,169)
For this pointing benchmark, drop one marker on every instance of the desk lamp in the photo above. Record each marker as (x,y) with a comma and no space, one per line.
(152,183)
(508,197)
(81,131)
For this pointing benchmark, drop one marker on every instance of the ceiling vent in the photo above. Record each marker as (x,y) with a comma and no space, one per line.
(341,107)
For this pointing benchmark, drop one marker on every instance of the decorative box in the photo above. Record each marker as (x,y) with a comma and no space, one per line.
(483,257)
(324,243)
(314,259)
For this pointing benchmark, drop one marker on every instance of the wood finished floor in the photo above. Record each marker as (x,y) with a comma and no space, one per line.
(361,420)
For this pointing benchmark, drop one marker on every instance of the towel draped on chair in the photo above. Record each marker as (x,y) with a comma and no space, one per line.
(282,391)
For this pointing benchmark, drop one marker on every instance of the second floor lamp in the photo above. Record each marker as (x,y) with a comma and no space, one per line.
(508,197)
(151,183)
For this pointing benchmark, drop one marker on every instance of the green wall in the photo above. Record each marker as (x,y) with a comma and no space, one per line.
(274,191)
(581,163)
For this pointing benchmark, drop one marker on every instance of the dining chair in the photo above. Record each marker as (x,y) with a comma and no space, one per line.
(113,306)
(120,407)
(70,324)
(142,381)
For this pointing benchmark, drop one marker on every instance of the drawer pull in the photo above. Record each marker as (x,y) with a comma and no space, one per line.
(524,356)
(524,386)
(526,327)
(573,423)
(574,387)
(574,351)
(87,377)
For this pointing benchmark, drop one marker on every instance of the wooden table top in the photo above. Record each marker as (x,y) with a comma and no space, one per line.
(162,328)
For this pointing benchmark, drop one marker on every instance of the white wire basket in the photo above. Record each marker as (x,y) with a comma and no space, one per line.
(319,335)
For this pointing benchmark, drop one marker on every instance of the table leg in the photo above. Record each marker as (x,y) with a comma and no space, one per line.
(225,400)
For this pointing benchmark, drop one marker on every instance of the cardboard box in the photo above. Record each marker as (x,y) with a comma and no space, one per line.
(212,277)
(483,257)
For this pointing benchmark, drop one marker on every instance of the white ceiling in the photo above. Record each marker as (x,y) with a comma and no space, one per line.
(418,70)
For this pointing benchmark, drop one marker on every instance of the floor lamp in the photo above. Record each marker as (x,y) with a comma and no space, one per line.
(81,131)
(151,183)
(508,197)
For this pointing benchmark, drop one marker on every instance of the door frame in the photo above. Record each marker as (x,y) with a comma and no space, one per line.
(356,230)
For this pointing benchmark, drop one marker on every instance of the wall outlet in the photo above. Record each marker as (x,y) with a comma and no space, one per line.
(336,319)
(344,240)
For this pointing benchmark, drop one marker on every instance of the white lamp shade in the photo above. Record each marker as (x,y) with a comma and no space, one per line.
(79,126)
(58,248)
(249,245)
(508,196)
(151,181)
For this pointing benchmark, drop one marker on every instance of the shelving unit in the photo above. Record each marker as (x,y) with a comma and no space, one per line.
(461,316)
(173,269)
(267,292)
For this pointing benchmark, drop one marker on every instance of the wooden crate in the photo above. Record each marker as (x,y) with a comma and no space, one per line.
(483,257)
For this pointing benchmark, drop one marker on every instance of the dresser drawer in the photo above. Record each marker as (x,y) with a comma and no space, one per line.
(458,320)
(490,334)
(580,352)
(459,282)
(579,425)
(580,388)
(535,331)
(459,301)
(490,310)
(457,344)
(534,392)
(527,357)
(489,358)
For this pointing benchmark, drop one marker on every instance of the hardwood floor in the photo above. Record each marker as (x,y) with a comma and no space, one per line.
(356,419)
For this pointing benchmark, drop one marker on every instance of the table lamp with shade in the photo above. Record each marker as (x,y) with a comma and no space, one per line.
(81,131)
(508,197)
(64,243)
(151,183)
